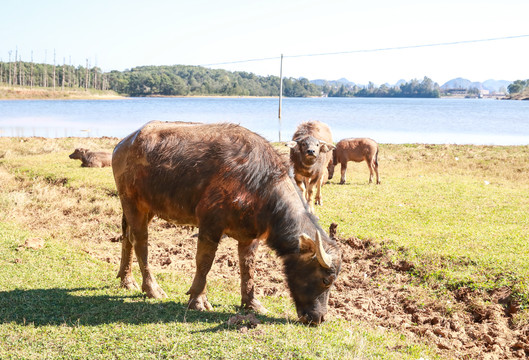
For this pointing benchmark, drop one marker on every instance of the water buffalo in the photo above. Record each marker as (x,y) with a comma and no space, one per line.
(92,159)
(356,150)
(310,155)
(224,179)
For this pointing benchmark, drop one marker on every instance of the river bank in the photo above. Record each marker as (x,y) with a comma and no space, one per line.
(27,93)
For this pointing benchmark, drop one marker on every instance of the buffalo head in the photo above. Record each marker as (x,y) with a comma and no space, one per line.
(78,153)
(309,148)
(311,275)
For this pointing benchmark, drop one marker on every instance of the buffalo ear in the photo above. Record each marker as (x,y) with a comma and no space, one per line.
(291,144)
(326,147)
(306,244)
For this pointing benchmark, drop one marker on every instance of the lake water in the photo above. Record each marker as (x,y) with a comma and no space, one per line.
(436,121)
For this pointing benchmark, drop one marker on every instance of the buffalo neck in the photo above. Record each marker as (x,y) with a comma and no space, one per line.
(288,219)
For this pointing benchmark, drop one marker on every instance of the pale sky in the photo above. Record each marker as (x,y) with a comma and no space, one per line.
(119,35)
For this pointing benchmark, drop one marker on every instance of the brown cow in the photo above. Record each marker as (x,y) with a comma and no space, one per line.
(310,155)
(227,180)
(356,150)
(92,159)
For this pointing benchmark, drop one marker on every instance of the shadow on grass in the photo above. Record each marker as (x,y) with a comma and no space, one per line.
(41,307)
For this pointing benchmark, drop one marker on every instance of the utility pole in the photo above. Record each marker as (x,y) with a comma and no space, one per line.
(280,93)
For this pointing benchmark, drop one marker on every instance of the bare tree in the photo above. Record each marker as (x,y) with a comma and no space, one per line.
(86,77)
(10,51)
(95,75)
(45,82)
(53,69)
(15,73)
(31,75)
(22,72)
(70,73)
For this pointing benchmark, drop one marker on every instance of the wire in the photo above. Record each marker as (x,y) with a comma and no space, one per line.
(373,50)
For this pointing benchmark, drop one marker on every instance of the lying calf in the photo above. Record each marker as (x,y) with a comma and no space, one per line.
(92,159)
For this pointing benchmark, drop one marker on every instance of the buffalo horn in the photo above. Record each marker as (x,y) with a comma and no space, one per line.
(324,259)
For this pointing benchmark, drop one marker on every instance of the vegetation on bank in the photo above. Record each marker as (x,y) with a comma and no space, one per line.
(456,213)
(413,89)
(182,80)
(519,90)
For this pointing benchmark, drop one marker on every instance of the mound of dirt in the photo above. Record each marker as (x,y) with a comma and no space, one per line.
(464,324)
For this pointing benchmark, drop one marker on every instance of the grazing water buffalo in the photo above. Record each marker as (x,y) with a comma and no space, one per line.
(92,159)
(356,150)
(311,154)
(227,180)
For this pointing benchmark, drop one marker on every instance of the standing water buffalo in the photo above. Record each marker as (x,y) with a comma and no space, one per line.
(311,154)
(92,159)
(356,150)
(228,180)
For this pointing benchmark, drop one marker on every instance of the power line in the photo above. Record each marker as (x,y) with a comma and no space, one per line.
(372,50)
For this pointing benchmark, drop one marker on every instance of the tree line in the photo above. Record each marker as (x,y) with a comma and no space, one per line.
(423,89)
(519,86)
(52,76)
(185,80)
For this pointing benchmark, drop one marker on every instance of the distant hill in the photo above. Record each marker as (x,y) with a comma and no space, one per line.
(496,85)
(491,85)
(458,83)
(339,82)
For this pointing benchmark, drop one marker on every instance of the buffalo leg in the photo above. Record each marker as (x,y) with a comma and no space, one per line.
(138,223)
(371,166)
(343,169)
(125,269)
(376,171)
(310,192)
(300,182)
(318,199)
(247,253)
(206,249)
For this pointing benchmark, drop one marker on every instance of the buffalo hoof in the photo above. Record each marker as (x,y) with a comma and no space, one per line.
(255,306)
(199,303)
(129,283)
(154,292)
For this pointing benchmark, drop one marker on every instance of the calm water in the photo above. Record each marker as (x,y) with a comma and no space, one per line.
(455,121)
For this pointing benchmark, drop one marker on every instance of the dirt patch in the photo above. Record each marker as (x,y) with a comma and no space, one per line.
(464,324)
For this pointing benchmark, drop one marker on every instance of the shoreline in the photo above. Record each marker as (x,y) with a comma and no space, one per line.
(27,93)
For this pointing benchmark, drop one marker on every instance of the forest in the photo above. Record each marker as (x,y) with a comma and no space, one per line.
(185,80)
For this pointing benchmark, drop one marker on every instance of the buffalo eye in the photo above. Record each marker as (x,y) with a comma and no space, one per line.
(328,280)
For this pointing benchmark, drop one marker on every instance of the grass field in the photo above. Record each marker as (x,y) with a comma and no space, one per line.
(457,213)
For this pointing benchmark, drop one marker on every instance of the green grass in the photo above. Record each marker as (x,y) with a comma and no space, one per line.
(460,221)
(458,213)
(58,168)
(60,303)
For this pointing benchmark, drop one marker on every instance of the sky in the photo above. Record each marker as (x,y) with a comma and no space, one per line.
(119,35)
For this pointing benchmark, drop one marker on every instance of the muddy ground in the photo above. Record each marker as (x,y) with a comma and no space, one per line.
(463,324)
